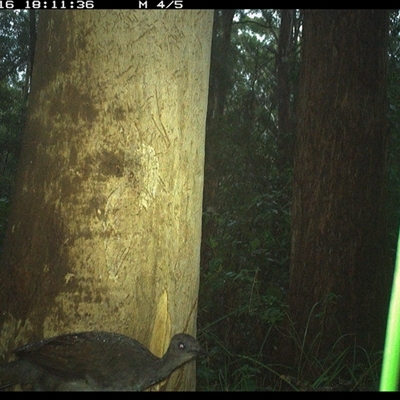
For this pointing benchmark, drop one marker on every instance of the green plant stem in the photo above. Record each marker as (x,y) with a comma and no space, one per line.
(391,355)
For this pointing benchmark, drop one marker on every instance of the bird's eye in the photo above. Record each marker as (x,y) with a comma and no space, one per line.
(181,346)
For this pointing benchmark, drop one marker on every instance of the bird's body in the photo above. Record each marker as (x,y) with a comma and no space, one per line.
(95,361)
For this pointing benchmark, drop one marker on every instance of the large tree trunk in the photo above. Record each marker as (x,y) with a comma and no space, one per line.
(218,90)
(286,48)
(105,228)
(219,86)
(339,259)
(220,73)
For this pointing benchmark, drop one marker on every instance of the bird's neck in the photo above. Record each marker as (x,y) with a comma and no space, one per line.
(163,368)
(166,365)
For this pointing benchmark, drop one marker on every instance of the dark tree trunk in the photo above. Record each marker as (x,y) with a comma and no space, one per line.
(219,74)
(285,64)
(218,89)
(339,260)
(283,89)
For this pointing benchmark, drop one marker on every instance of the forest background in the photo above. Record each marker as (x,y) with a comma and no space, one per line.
(248,191)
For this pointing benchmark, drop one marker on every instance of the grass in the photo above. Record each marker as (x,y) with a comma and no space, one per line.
(351,368)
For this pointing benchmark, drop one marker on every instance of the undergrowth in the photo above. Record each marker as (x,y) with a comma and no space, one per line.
(227,368)
(241,319)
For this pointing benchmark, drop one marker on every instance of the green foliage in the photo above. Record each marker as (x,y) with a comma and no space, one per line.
(246,238)
(245,270)
(344,368)
(14,40)
(391,363)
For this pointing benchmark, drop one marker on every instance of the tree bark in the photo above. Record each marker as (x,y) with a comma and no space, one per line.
(219,77)
(286,47)
(339,260)
(104,232)
(218,89)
